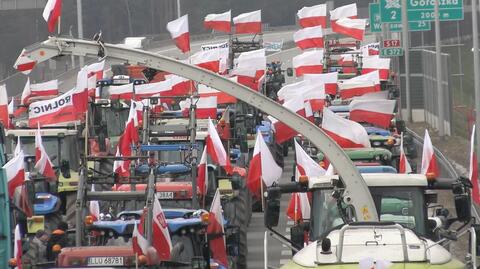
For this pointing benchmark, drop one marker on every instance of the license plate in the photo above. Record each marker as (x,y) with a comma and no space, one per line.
(165,195)
(102,261)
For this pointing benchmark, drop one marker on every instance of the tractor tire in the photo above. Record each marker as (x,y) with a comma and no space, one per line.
(285,149)
(236,215)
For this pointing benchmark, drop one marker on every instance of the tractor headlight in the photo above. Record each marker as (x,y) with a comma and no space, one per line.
(377,143)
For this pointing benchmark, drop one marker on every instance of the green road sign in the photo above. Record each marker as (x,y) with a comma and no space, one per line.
(420,10)
(413,26)
(391,52)
(376,25)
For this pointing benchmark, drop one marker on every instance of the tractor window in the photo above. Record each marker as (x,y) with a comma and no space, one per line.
(324,215)
(403,205)
(49,143)
(179,156)
(115,121)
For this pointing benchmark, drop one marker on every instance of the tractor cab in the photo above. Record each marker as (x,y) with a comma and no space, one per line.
(381,155)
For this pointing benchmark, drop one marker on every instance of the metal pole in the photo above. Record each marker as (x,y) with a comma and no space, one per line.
(80,28)
(407,59)
(476,70)
(179,10)
(193,137)
(460,64)
(438,63)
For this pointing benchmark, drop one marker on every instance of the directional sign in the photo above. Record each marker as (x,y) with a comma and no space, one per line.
(391,43)
(391,52)
(420,10)
(376,25)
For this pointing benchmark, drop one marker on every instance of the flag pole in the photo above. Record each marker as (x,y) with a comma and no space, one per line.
(261,194)
(136,259)
(58,24)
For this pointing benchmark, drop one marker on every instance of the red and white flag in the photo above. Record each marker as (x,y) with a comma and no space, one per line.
(381,95)
(61,109)
(94,74)
(305,164)
(15,171)
(310,37)
(26,93)
(360,85)
(263,168)
(403,165)
(24,64)
(202,177)
(473,175)
(161,237)
(180,86)
(370,49)
(178,29)
(216,230)
(219,22)
(207,59)
(313,92)
(4,112)
(248,23)
(330,81)
(43,164)
(222,98)
(255,60)
(51,13)
(94,207)
(206,107)
(246,76)
(313,16)
(121,91)
(376,112)
(80,95)
(44,89)
(347,133)
(350,27)
(17,247)
(153,89)
(127,139)
(373,63)
(282,131)
(216,150)
(347,11)
(309,62)
(429,160)
(139,243)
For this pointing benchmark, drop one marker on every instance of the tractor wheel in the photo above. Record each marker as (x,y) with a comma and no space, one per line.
(247,199)
(235,213)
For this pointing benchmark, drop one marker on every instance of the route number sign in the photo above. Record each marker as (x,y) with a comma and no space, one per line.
(391,43)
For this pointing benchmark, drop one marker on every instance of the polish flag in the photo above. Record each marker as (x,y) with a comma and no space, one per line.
(330,81)
(94,207)
(299,206)
(119,166)
(309,62)
(307,38)
(179,31)
(347,11)
(370,49)
(125,142)
(202,177)
(206,107)
(348,63)
(255,60)
(17,247)
(403,165)
(44,89)
(26,93)
(4,106)
(216,230)
(15,171)
(313,92)
(43,164)
(347,133)
(180,86)
(473,176)
(376,112)
(350,27)
(24,64)
(95,73)
(305,164)
(139,243)
(245,75)
(207,59)
(11,106)
(80,94)
(219,22)
(360,85)
(61,109)
(248,23)
(263,168)
(222,98)
(161,237)
(152,89)
(282,131)
(381,95)
(215,148)
(429,161)
(121,91)
(51,13)
(313,16)
(290,90)
(373,63)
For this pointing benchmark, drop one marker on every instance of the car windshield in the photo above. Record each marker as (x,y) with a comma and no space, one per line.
(402,205)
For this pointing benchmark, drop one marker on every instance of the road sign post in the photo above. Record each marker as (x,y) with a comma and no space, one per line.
(406,43)
(438,60)
(476,70)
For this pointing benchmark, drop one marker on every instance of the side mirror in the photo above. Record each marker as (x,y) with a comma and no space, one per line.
(65,169)
(272,207)
(290,72)
(400,124)
(462,201)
